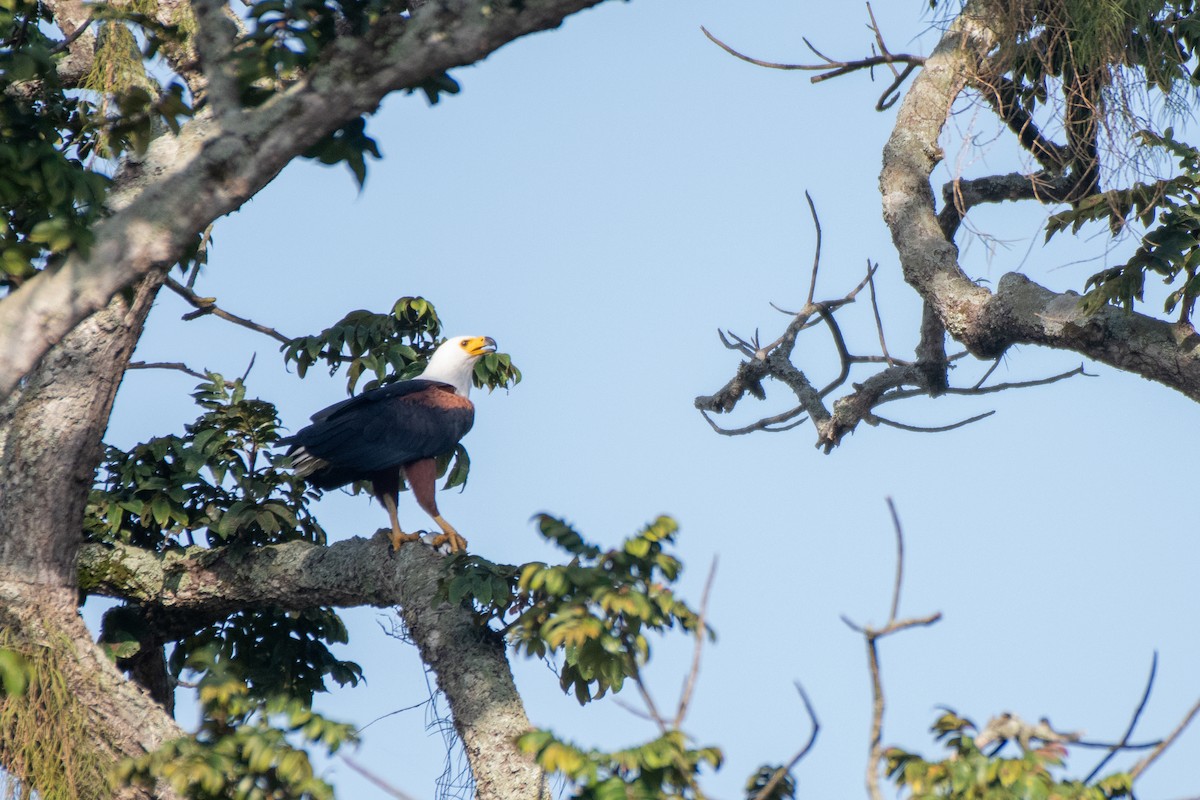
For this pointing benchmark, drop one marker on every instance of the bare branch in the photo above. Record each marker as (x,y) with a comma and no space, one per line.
(979,383)
(690,682)
(1145,763)
(1137,713)
(812,285)
(961,195)
(1001,93)
(872,636)
(176,365)
(66,43)
(782,772)
(762,425)
(635,672)
(939,429)
(875,310)
(829,67)
(899,560)
(208,305)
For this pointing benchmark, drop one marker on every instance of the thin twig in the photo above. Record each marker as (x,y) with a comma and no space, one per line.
(782,772)
(1137,713)
(904,394)
(394,713)
(636,673)
(70,40)
(690,682)
(637,712)
(762,425)
(207,305)
(1145,763)
(891,423)
(830,67)
(812,284)
(979,383)
(175,365)
(875,309)
(899,560)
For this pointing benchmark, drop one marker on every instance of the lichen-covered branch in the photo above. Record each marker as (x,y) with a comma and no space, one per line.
(295,575)
(468,659)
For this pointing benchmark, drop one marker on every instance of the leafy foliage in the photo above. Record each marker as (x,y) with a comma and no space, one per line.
(969,774)
(219,477)
(595,610)
(242,749)
(665,767)
(52,189)
(393,346)
(1170,250)
(48,198)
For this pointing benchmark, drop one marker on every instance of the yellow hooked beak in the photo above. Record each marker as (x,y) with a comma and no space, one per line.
(479,345)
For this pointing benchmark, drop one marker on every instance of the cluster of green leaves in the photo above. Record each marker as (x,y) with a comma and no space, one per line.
(665,767)
(219,477)
(595,610)
(244,748)
(969,774)
(1170,250)
(393,346)
(51,190)
(48,198)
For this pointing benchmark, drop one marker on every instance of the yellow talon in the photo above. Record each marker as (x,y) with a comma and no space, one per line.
(397,538)
(448,536)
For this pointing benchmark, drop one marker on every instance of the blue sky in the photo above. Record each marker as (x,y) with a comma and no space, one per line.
(601,199)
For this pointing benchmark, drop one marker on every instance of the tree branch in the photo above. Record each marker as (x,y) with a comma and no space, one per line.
(208,305)
(468,659)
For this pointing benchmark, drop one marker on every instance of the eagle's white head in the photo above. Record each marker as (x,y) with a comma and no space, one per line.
(454,360)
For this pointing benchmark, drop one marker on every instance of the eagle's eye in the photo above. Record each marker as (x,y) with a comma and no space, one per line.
(463,344)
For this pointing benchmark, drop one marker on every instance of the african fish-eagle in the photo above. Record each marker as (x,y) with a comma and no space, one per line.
(398,429)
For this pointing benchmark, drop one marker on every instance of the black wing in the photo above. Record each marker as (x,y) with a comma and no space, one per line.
(382,429)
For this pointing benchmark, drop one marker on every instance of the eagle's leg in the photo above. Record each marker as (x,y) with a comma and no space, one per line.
(422,479)
(387,488)
(397,537)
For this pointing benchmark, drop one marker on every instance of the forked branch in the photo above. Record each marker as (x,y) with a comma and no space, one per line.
(834,68)
(896,380)
(895,624)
